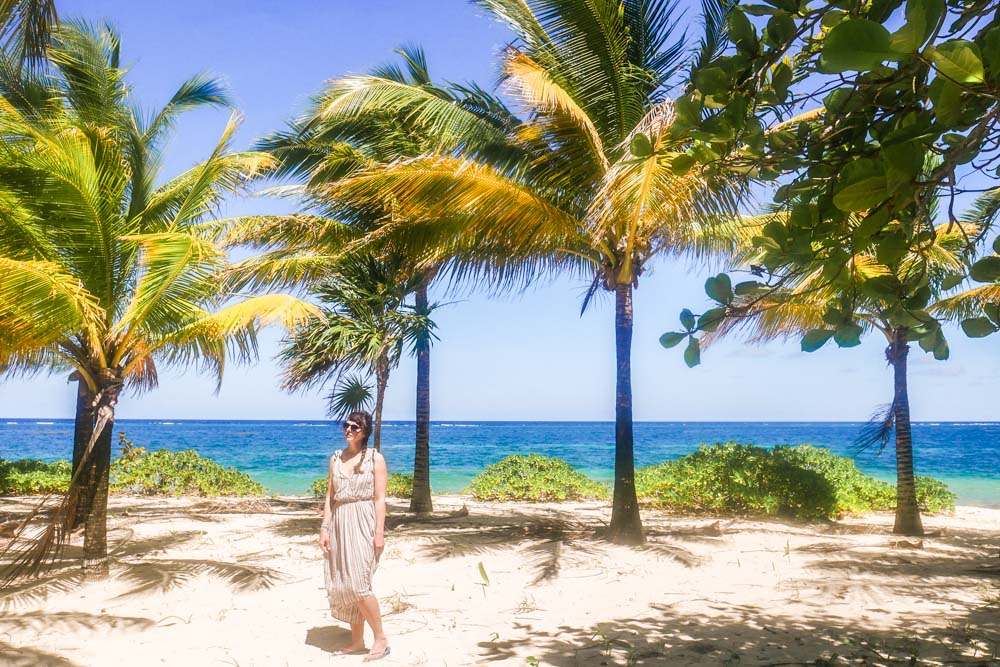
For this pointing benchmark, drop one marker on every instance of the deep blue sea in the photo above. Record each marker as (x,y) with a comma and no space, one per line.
(286,456)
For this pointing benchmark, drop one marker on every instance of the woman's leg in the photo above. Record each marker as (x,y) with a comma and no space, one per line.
(369,609)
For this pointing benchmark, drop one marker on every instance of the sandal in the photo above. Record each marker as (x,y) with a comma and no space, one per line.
(379,656)
(347,650)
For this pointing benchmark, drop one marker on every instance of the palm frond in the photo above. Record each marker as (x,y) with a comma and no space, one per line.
(351,393)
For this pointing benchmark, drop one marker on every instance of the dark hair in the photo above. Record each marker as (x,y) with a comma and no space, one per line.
(364,420)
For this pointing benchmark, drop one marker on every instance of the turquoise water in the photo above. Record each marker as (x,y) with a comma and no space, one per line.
(286,456)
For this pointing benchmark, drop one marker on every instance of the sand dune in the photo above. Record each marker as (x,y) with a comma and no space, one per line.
(240,583)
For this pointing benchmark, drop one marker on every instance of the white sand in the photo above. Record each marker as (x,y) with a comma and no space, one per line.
(192,586)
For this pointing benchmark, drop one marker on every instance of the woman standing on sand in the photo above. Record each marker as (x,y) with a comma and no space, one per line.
(352,535)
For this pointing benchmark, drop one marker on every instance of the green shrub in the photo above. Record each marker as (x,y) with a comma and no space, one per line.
(734,478)
(804,481)
(933,495)
(397,486)
(176,473)
(534,478)
(28,476)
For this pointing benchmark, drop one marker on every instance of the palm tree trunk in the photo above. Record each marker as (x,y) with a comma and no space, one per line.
(381,382)
(907,511)
(81,496)
(420,499)
(95,482)
(626,525)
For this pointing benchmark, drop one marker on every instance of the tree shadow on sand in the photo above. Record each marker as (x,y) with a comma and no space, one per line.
(139,564)
(741,636)
(26,656)
(547,543)
(328,638)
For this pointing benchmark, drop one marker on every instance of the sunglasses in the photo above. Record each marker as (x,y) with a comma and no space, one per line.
(352,427)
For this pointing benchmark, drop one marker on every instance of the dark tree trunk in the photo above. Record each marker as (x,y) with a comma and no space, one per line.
(94,480)
(381,382)
(907,511)
(420,500)
(626,525)
(81,496)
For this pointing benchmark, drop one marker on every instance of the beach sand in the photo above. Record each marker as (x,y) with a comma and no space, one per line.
(236,582)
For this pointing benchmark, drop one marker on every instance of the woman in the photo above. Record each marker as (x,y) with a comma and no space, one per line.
(352,534)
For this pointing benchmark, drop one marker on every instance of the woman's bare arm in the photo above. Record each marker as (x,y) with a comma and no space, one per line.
(381,481)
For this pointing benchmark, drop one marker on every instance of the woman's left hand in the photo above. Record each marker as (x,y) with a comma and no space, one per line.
(379,546)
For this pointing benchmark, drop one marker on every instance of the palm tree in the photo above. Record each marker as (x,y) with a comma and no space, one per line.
(365,327)
(869,295)
(595,181)
(106,273)
(26,26)
(341,135)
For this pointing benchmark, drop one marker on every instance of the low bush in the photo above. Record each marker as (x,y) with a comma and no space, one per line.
(534,478)
(735,478)
(26,477)
(185,472)
(397,486)
(804,481)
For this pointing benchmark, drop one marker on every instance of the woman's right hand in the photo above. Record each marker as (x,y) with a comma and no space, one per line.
(324,540)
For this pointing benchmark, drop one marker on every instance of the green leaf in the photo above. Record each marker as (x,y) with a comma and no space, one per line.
(946,98)
(959,60)
(482,573)
(742,32)
(871,225)
(990,46)
(848,335)
(992,311)
(986,270)
(781,79)
(996,245)
(687,319)
(720,288)
(711,319)
(712,80)
(886,287)
(855,44)
(978,327)
(832,18)
(863,195)
(952,281)
(682,164)
(815,339)
(780,29)
(903,163)
(672,338)
(922,17)
(641,146)
(941,351)
(746,288)
(692,353)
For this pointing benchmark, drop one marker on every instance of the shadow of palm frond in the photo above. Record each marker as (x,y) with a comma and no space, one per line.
(165,575)
(546,543)
(66,578)
(237,506)
(69,621)
(26,656)
(297,527)
(674,552)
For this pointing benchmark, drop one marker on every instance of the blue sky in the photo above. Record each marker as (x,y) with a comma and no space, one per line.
(525,357)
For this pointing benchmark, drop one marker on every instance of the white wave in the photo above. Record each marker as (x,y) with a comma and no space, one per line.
(45,423)
(316,425)
(11,423)
(166,423)
(458,425)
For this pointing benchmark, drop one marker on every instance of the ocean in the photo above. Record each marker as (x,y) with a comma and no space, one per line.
(286,456)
